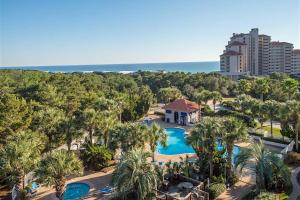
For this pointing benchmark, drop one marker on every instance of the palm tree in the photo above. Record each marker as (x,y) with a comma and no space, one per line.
(244,86)
(91,120)
(262,86)
(265,164)
(128,136)
(271,107)
(293,107)
(108,120)
(262,114)
(20,155)
(215,96)
(49,121)
(56,167)
(290,86)
(233,130)
(204,96)
(283,118)
(135,175)
(203,138)
(70,126)
(156,135)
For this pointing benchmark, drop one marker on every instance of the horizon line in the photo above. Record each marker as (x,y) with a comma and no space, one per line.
(66,65)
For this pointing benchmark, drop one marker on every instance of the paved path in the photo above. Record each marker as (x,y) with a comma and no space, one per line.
(296,186)
(240,189)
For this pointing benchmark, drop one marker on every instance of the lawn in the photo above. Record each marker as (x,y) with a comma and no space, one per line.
(276,131)
(228,99)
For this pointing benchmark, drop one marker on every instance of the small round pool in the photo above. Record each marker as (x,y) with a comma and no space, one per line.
(175,143)
(76,191)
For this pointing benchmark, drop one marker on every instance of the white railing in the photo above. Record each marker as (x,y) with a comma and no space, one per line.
(288,148)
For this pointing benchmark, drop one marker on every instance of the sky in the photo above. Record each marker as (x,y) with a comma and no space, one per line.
(69,32)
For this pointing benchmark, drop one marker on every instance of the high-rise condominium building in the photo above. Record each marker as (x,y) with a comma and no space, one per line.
(263,54)
(280,57)
(241,55)
(296,62)
(255,54)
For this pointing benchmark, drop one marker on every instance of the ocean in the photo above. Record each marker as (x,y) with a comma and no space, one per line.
(192,67)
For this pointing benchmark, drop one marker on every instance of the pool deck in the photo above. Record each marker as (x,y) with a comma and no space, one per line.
(95,180)
(176,158)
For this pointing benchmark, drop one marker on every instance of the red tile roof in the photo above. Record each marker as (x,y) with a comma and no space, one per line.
(231,53)
(182,105)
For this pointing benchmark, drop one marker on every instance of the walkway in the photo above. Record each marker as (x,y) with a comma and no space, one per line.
(296,186)
(240,189)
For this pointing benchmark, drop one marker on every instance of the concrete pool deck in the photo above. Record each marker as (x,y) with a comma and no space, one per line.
(95,180)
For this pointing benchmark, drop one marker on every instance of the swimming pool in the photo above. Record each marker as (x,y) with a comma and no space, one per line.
(176,144)
(76,191)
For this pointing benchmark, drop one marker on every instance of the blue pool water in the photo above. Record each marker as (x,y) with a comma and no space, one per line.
(76,191)
(176,144)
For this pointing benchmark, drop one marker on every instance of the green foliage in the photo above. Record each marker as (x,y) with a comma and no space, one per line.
(215,189)
(265,196)
(96,157)
(134,175)
(15,115)
(250,122)
(169,94)
(271,172)
(203,138)
(56,167)
(156,135)
(20,156)
(128,136)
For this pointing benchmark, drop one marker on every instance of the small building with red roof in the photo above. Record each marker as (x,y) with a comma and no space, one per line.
(182,112)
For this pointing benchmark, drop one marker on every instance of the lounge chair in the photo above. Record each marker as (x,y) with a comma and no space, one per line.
(107,190)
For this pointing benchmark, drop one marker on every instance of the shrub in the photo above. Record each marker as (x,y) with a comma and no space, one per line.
(283,196)
(250,122)
(250,195)
(216,189)
(96,156)
(207,111)
(266,196)
(229,104)
(159,113)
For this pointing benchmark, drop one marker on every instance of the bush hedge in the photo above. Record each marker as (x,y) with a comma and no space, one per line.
(261,135)
(250,122)
(266,196)
(215,189)
(96,156)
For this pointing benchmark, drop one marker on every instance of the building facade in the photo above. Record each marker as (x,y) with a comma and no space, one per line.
(182,112)
(254,54)
(296,62)
(263,54)
(246,46)
(280,57)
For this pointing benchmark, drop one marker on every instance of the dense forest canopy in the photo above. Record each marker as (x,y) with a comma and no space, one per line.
(60,104)
(33,99)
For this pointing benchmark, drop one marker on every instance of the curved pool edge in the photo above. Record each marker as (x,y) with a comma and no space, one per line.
(91,185)
(185,152)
